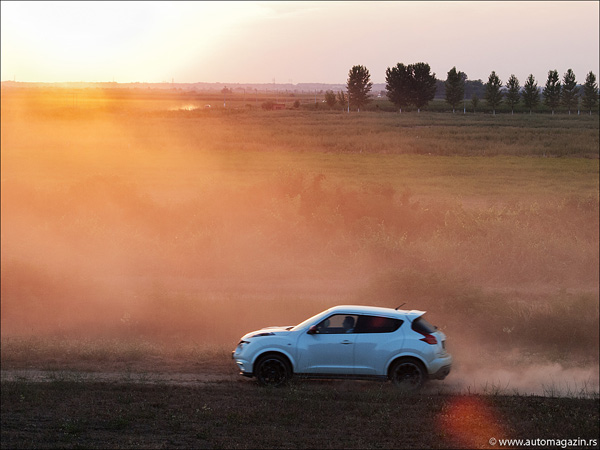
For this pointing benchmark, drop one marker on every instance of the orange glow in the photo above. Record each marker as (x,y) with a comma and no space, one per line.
(469,422)
(124,217)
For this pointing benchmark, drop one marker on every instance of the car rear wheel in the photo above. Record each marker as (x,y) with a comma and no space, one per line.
(272,370)
(408,375)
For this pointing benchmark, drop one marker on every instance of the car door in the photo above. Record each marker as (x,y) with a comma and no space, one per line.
(330,350)
(377,339)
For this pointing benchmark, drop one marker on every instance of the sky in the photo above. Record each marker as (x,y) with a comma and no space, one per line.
(293,42)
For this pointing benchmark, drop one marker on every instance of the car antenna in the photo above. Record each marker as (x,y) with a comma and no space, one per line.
(398,307)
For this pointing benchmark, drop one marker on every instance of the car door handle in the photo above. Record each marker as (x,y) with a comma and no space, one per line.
(346,342)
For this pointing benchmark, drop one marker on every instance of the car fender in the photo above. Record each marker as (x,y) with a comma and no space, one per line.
(274,349)
(405,355)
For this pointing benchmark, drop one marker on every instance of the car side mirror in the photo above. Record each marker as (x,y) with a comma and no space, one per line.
(312,330)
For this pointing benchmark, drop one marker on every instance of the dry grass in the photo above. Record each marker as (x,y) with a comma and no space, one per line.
(67,414)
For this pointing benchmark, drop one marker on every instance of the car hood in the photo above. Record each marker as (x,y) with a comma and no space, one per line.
(280,331)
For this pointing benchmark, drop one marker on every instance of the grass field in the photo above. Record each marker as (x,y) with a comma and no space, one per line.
(137,219)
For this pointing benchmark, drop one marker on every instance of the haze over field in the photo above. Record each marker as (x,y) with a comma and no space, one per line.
(134,220)
(292,42)
(141,214)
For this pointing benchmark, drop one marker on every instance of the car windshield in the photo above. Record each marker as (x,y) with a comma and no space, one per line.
(310,320)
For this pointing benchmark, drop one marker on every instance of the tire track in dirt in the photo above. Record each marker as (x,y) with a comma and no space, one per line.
(464,382)
(178,379)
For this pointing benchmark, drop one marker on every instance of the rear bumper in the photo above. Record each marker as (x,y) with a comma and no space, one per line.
(441,373)
(440,367)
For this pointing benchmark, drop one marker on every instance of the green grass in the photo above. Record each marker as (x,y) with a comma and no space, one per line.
(428,133)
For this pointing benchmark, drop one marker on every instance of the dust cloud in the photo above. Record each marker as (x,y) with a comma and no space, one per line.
(551,379)
(122,222)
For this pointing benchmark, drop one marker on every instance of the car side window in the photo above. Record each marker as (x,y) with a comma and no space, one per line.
(337,324)
(377,324)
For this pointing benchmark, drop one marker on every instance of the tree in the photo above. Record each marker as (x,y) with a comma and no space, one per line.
(569,96)
(590,92)
(330,98)
(455,87)
(513,93)
(225,91)
(474,101)
(531,93)
(493,94)
(552,90)
(359,85)
(424,85)
(342,99)
(399,85)
(474,87)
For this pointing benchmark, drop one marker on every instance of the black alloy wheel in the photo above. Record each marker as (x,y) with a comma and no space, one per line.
(272,370)
(408,375)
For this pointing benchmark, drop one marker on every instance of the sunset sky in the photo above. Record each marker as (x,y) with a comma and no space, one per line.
(293,42)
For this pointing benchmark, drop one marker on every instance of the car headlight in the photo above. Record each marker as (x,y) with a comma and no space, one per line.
(242,344)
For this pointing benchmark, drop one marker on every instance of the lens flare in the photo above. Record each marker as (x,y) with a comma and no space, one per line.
(470,422)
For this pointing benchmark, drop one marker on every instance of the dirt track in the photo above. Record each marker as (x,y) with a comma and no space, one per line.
(573,384)
(177,379)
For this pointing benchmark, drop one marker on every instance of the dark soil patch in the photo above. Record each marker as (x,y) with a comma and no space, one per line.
(239,414)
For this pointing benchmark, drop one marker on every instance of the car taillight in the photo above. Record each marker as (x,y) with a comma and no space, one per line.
(430,339)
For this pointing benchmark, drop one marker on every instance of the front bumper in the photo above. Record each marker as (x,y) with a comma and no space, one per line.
(244,366)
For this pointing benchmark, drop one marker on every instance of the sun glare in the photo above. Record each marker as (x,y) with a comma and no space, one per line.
(217,41)
(98,41)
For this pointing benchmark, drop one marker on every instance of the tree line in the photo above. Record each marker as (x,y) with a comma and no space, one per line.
(415,85)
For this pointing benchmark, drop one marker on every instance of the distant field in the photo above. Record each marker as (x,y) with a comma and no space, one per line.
(147,140)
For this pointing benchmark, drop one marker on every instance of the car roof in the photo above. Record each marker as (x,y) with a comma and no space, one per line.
(390,312)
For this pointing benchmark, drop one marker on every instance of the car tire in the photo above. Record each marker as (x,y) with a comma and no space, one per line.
(272,370)
(408,375)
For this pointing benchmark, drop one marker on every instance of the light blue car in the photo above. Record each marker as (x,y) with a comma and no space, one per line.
(357,342)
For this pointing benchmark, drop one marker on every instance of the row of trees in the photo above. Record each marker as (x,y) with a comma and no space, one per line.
(414,84)
(554,93)
(406,85)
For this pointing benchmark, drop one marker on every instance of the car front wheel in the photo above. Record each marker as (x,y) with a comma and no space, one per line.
(408,375)
(272,370)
